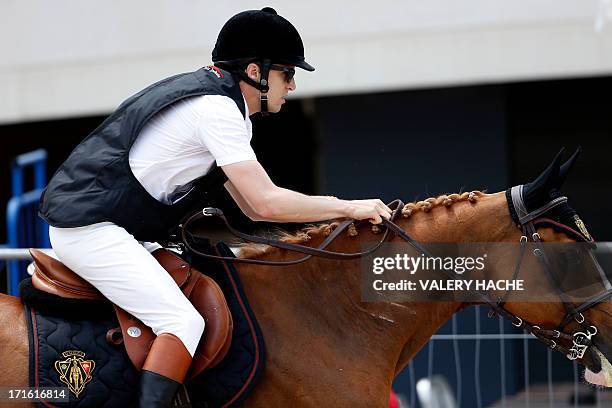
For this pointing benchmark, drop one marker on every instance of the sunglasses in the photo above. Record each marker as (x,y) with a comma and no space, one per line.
(289,72)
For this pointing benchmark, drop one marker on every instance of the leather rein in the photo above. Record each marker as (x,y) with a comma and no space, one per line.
(580,340)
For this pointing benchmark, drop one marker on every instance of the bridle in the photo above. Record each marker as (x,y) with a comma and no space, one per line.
(527,222)
(581,340)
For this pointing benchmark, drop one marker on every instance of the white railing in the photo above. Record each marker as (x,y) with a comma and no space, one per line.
(19,254)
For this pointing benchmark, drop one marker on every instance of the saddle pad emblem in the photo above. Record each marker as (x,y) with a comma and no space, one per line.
(75,371)
(581,227)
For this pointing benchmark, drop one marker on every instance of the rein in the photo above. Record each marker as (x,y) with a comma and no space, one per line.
(320,251)
(580,340)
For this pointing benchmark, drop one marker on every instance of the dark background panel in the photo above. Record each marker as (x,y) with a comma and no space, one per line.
(413,144)
(548,115)
(58,137)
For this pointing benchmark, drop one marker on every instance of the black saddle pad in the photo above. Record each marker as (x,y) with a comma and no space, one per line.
(68,349)
(72,332)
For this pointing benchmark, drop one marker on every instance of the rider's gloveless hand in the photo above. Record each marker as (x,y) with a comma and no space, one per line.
(371,209)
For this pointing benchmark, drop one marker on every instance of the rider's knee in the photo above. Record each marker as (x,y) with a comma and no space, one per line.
(194,322)
(189,329)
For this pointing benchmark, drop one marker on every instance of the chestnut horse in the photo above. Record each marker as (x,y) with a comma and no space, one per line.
(325,346)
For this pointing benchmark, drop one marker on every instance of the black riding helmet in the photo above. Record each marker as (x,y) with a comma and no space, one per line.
(262,37)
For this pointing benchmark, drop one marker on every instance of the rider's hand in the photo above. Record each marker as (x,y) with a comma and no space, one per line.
(372,209)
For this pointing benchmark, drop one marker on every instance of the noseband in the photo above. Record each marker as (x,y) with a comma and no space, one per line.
(527,222)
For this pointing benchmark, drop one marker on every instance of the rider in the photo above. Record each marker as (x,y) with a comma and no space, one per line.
(155,159)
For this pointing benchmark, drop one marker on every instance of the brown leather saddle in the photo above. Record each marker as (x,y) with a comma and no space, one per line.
(52,276)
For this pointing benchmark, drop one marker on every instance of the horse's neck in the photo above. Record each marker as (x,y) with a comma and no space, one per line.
(322,297)
(485,220)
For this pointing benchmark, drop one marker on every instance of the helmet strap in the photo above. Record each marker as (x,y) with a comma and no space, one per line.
(262,85)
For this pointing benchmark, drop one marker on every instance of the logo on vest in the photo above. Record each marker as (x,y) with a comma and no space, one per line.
(216,71)
(75,371)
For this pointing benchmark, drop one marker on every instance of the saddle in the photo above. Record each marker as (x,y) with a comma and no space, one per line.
(52,276)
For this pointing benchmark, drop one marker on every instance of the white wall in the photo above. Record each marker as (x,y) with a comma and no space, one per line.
(66,58)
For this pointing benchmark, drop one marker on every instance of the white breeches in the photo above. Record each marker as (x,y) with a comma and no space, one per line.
(124,271)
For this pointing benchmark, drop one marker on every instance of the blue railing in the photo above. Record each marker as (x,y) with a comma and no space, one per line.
(24,228)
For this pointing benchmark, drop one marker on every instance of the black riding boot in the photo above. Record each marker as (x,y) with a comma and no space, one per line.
(156,391)
(163,372)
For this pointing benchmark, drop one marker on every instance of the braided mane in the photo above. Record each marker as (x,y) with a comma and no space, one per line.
(251,250)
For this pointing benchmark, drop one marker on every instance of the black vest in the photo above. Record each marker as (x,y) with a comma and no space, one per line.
(96,182)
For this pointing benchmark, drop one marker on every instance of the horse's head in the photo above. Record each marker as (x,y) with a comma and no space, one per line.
(580,329)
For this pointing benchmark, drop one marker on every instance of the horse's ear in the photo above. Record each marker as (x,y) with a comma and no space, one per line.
(567,166)
(538,192)
(549,178)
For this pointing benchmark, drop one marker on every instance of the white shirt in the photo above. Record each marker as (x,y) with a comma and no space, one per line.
(180,143)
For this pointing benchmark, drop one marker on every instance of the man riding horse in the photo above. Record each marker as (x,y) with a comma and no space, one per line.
(154,160)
